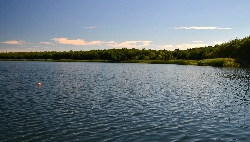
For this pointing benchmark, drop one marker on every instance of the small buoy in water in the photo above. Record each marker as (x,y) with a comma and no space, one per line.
(39,84)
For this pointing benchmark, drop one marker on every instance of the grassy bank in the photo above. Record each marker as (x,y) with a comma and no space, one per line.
(217,62)
(71,60)
(178,62)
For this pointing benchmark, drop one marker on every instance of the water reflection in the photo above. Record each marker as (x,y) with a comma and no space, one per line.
(122,102)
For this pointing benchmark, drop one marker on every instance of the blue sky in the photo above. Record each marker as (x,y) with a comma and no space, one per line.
(63,25)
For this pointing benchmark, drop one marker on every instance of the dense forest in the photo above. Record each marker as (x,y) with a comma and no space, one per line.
(238,49)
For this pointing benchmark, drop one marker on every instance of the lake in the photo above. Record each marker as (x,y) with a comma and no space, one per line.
(122,102)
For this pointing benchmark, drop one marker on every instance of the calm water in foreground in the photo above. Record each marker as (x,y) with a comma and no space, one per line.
(122,102)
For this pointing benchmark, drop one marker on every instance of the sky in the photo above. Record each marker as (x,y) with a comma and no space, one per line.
(63,25)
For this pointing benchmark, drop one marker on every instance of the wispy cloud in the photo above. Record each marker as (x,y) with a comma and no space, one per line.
(48,43)
(218,42)
(91,27)
(186,46)
(180,46)
(17,50)
(201,28)
(197,41)
(81,42)
(96,27)
(13,42)
(129,44)
(31,49)
(167,47)
(153,27)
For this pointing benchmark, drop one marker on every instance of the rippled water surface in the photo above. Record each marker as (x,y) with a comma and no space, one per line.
(122,102)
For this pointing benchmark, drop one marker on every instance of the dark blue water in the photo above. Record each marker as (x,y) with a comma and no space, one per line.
(122,102)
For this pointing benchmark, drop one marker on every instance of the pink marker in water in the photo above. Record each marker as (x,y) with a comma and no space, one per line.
(39,84)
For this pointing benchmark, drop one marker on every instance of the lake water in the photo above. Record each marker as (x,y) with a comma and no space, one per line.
(122,102)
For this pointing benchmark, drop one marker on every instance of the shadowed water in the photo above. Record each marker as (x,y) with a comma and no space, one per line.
(122,102)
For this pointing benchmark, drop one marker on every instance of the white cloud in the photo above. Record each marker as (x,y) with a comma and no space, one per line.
(129,44)
(48,43)
(224,28)
(201,28)
(153,27)
(16,50)
(218,42)
(186,46)
(91,27)
(166,47)
(13,42)
(30,49)
(199,41)
(76,42)
(96,27)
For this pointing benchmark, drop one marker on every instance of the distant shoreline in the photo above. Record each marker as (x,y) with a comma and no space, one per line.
(234,53)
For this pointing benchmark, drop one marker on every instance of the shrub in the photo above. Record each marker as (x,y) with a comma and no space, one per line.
(219,62)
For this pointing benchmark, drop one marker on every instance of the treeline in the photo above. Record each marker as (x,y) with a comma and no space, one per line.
(238,49)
